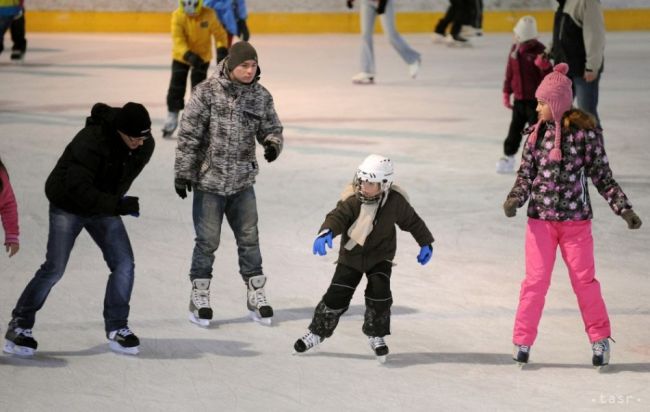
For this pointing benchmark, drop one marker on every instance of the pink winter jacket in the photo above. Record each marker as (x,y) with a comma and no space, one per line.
(8,210)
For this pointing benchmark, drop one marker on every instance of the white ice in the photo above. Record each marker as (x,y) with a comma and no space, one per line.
(452,319)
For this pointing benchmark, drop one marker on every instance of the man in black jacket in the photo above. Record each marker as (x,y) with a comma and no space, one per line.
(87,190)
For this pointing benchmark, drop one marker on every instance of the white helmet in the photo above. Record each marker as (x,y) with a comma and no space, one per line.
(374,169)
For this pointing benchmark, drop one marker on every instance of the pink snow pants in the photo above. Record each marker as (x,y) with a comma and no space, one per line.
(577,247)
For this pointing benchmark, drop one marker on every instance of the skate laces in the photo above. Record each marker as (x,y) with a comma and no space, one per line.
(600,347)
(124,332)
(523,348)
(311,339)
(25,332)
(260,298)
(201,298)
(376,341)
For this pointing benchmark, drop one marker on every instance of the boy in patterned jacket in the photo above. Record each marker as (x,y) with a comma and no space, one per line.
(215,157)
(563,149)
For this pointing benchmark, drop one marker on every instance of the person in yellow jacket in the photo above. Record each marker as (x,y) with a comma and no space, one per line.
(193,27)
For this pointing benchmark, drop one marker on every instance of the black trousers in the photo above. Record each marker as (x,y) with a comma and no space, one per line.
(178,83)
(339,294)
(459,12)
(18,34)
(523,112)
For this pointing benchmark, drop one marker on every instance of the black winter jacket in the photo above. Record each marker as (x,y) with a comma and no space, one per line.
(381,243)
(96,168)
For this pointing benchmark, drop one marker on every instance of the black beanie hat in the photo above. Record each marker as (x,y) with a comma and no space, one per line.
(239,53)
(133,120)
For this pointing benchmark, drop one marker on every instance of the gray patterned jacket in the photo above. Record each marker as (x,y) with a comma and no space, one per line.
(216,140)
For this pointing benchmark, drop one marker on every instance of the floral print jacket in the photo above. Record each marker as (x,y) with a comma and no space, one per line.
(558,190)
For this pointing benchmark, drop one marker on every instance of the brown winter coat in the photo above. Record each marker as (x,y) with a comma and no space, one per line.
(381,243)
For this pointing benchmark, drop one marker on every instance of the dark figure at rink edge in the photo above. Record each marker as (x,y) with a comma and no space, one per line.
(365,217)
(87,190)
(215,157)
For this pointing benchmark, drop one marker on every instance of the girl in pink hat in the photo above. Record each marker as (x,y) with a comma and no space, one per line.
(562,150)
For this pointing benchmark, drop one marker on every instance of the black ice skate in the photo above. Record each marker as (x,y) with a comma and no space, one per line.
(378,345)
(307,342)
(601,351)
(520,354)
(200,310)
(123,341)
(260,309)
(19,341)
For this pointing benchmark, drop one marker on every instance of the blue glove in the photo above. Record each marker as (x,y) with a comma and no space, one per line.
(426,252)
(321,241)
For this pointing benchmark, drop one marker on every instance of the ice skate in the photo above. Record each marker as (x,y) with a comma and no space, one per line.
(520,354)
(20,342)
(414,68)
(506,165)
(170,124)
(363,78)
(307,342)
(438,38)
(457,41)
(601,351)
(123,341)
(259,308)
(17,56)
(200,310)
(378,345)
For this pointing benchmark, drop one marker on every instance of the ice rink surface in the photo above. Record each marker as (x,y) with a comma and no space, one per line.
(452,319)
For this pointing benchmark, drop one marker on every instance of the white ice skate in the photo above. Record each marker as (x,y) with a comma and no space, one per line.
(200,310)
(457,41)
(259,308)
(363,78)
(506,165)
(601,350)
(170,124)
(414,68)
(123,341)
(378,345)
(438,38)
(20,342)
(307,342)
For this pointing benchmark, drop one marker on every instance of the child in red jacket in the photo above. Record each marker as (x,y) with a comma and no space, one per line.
(8,212)
(526,68)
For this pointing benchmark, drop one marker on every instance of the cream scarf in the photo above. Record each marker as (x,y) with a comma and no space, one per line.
(363,226)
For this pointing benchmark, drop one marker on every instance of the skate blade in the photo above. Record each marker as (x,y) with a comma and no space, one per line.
(382,359)
(257,318)
(204,323)
(116,347)
(363,82)
(13,349)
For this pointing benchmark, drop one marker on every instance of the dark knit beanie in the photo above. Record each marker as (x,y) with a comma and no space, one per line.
(239,53)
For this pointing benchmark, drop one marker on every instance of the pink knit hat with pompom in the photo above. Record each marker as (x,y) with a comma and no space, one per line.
(555,90)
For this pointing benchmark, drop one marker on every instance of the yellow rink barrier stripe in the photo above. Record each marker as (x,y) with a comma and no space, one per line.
(281,23)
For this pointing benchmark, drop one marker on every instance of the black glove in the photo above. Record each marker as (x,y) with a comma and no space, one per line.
(381,7)
(193,59)
(270,152)
(242,30)
(182,186)
(128,205)
(222,53)
(350,3)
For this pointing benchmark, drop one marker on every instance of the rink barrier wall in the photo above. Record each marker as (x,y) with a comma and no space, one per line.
(287,23)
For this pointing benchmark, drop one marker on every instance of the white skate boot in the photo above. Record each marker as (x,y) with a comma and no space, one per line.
(601,351)
(260,309)
(307,342)
(414,68)
(506,164)
(363,78)
(200,310)
(378,345)
(170,124)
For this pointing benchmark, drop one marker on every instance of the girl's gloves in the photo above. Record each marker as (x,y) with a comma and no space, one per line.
(510,207)
(633,221)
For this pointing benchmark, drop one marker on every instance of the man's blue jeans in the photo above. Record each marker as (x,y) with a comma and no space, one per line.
(586,94)
(240,210)
(110,235)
